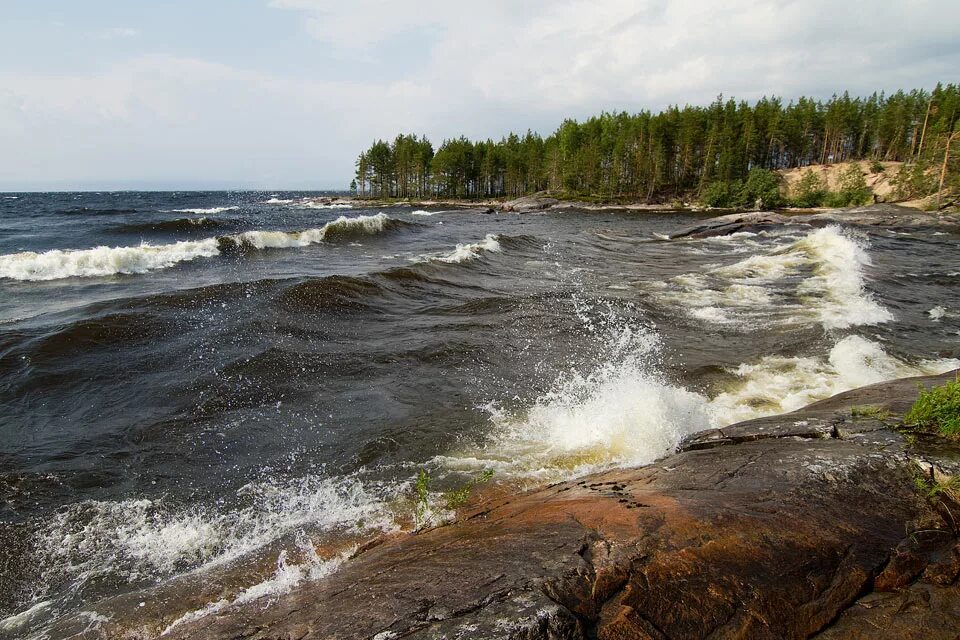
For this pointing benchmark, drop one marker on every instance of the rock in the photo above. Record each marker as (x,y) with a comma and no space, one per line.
(777,529)
(889,216)
(528,203)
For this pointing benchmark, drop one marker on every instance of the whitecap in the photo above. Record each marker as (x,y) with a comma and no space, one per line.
(211,210)
(102,261)
(777,384)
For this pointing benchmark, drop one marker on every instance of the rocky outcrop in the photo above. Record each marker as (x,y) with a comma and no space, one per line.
(889,216)
(526,204)
(802,525)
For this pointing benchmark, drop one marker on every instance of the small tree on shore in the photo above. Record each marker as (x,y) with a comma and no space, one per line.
(811,190)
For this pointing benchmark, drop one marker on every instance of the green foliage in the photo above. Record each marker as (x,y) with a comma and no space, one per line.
(676,152)
(721,194)
(876,167)
(853,186)
(853,189)
(762,189)
(913,180)
(421,498)
(811,190)
(458,497)
(937,410)
(869,411)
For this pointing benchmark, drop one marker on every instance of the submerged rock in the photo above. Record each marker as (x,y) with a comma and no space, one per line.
(786,527)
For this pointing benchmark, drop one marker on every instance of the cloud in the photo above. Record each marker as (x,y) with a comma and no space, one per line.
(480,69)
(117,33)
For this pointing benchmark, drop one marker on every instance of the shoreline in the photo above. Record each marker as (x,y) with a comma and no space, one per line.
(682,547)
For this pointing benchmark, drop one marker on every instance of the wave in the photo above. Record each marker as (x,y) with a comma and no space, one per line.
(91,211)
(322,205)
(421,212)
(276,200)
(179,224)
(102,261)
(341,228)
(819,277)
(136,540)
(467,252)
(620,412)
(779,384)
(210,211)
(105,261)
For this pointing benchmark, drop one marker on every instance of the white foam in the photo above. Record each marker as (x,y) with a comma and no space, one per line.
(142,538)
(211,210)
(779,384)
(275,200)
(368,225)
(823,272)
(102,261)
(286,577)
(321,205)
(11,623)
(937,313)
(468,252)
(620,412)
(421,212)
(106,261)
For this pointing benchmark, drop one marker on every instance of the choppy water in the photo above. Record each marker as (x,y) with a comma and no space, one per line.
(196,382)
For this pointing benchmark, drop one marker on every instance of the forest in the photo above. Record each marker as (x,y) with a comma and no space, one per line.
(724,154)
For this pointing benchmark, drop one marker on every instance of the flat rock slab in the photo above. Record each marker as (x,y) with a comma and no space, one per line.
(881,215)
(789,535)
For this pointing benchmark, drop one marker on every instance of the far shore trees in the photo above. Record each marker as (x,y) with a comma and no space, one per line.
(711,153)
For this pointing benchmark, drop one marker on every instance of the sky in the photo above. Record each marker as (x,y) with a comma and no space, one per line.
(284,94)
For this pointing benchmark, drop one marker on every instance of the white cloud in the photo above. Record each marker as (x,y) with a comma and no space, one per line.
(484,68)
(117,33)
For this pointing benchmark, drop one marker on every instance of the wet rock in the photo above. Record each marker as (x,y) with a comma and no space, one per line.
(527,204)
(888,216)
(776,530)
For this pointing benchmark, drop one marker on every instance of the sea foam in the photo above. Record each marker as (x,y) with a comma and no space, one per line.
(819,278)
(102,261)
(106,261)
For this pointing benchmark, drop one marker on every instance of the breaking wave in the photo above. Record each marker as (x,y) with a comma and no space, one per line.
(102,261)
(106,261)
(467,252)
(134,540)
(779,384)
(210,211)
(819,277)
(179,224)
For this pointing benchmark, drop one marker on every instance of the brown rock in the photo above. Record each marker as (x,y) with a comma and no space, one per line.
(767,533)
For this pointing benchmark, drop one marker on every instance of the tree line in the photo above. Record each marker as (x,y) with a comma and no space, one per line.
(681,152)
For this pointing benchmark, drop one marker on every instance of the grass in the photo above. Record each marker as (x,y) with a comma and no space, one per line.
(869,411)
(453,499)
(458,497)
(937,410)
(421,489)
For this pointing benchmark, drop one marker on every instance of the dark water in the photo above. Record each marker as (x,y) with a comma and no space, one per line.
(190,379)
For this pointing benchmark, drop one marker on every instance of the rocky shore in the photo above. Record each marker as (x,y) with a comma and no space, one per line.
(809,524)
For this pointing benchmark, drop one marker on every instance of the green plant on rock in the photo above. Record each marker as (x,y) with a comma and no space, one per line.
(458,497)
(869,411)
(937,410)
(876,167)
(421,497)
